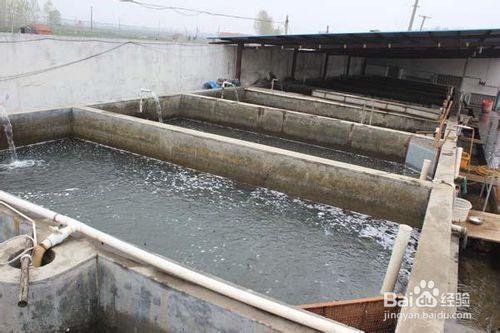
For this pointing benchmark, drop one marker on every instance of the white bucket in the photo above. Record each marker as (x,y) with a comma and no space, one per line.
(461,210)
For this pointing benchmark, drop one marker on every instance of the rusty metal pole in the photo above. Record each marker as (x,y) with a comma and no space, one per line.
(348,66)
(363,68)
(25,275)
(325,68)
(239,58)
(294,62)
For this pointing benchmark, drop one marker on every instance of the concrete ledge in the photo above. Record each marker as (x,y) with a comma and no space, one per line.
(435,259)
(324,131)
(377,193)
(135,298)
(321,107)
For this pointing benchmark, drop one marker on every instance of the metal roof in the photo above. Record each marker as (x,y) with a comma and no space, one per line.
(403,44)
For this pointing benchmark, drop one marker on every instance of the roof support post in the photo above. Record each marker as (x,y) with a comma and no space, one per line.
(325,67)
(294,62)
(239,58)
(348,66)
(363,68)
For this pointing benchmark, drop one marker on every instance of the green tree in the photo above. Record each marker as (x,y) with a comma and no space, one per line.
(16,13)
(52,15)
(264,24)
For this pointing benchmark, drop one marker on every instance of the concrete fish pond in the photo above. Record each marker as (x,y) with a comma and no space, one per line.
(168,208)
(294,250)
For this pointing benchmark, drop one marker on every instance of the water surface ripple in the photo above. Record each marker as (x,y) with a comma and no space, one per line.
(291,249)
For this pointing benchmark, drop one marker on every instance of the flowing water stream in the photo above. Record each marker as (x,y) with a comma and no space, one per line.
(7,127)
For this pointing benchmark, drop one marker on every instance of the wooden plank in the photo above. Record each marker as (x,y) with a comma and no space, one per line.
(488,231)
(479,179)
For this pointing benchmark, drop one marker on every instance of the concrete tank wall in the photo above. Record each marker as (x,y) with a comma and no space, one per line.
(134,298)
(325,131)
(377,193)
(326,108)
(63,295)
(38,126)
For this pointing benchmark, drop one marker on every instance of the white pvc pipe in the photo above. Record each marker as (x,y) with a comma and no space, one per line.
(458,160)
(293,314)
(425,169)
(398,253)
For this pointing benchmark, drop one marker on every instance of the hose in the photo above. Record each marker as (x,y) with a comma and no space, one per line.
(484,170)
(37,257)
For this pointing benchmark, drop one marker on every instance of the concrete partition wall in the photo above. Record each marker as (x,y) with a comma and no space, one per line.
(324,131)
(377,193)
(38,126)
(321,107)
(134,298)
(169,105)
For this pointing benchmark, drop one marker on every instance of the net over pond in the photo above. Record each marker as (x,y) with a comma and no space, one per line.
(294,250)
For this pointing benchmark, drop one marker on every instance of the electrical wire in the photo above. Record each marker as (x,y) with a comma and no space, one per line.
(121,44)
(98,41)
(181,10)
(40,71)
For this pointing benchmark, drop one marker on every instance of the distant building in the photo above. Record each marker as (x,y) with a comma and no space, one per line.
(37,29)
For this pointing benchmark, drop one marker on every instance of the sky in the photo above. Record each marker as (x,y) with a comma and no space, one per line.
(311,16)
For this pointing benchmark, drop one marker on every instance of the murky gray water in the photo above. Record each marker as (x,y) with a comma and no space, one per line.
(332,154)
(291,249)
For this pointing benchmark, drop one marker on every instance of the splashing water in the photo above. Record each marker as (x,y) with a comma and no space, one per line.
(158,106)
(157,102)
(7,127)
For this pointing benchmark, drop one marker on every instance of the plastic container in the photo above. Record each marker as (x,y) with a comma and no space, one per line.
(487,105)
(461,210)
(465,161)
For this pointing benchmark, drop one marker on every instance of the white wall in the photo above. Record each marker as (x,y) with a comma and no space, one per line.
(487,70)
(117,75)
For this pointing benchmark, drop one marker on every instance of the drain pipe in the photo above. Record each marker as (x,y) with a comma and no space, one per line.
(285,311)
(425,169)
(458,160)
(462,233)
(398,253)
(56,237)
(141,96)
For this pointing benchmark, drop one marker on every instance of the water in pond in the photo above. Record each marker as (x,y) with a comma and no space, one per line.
(291,249)
(333,154)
